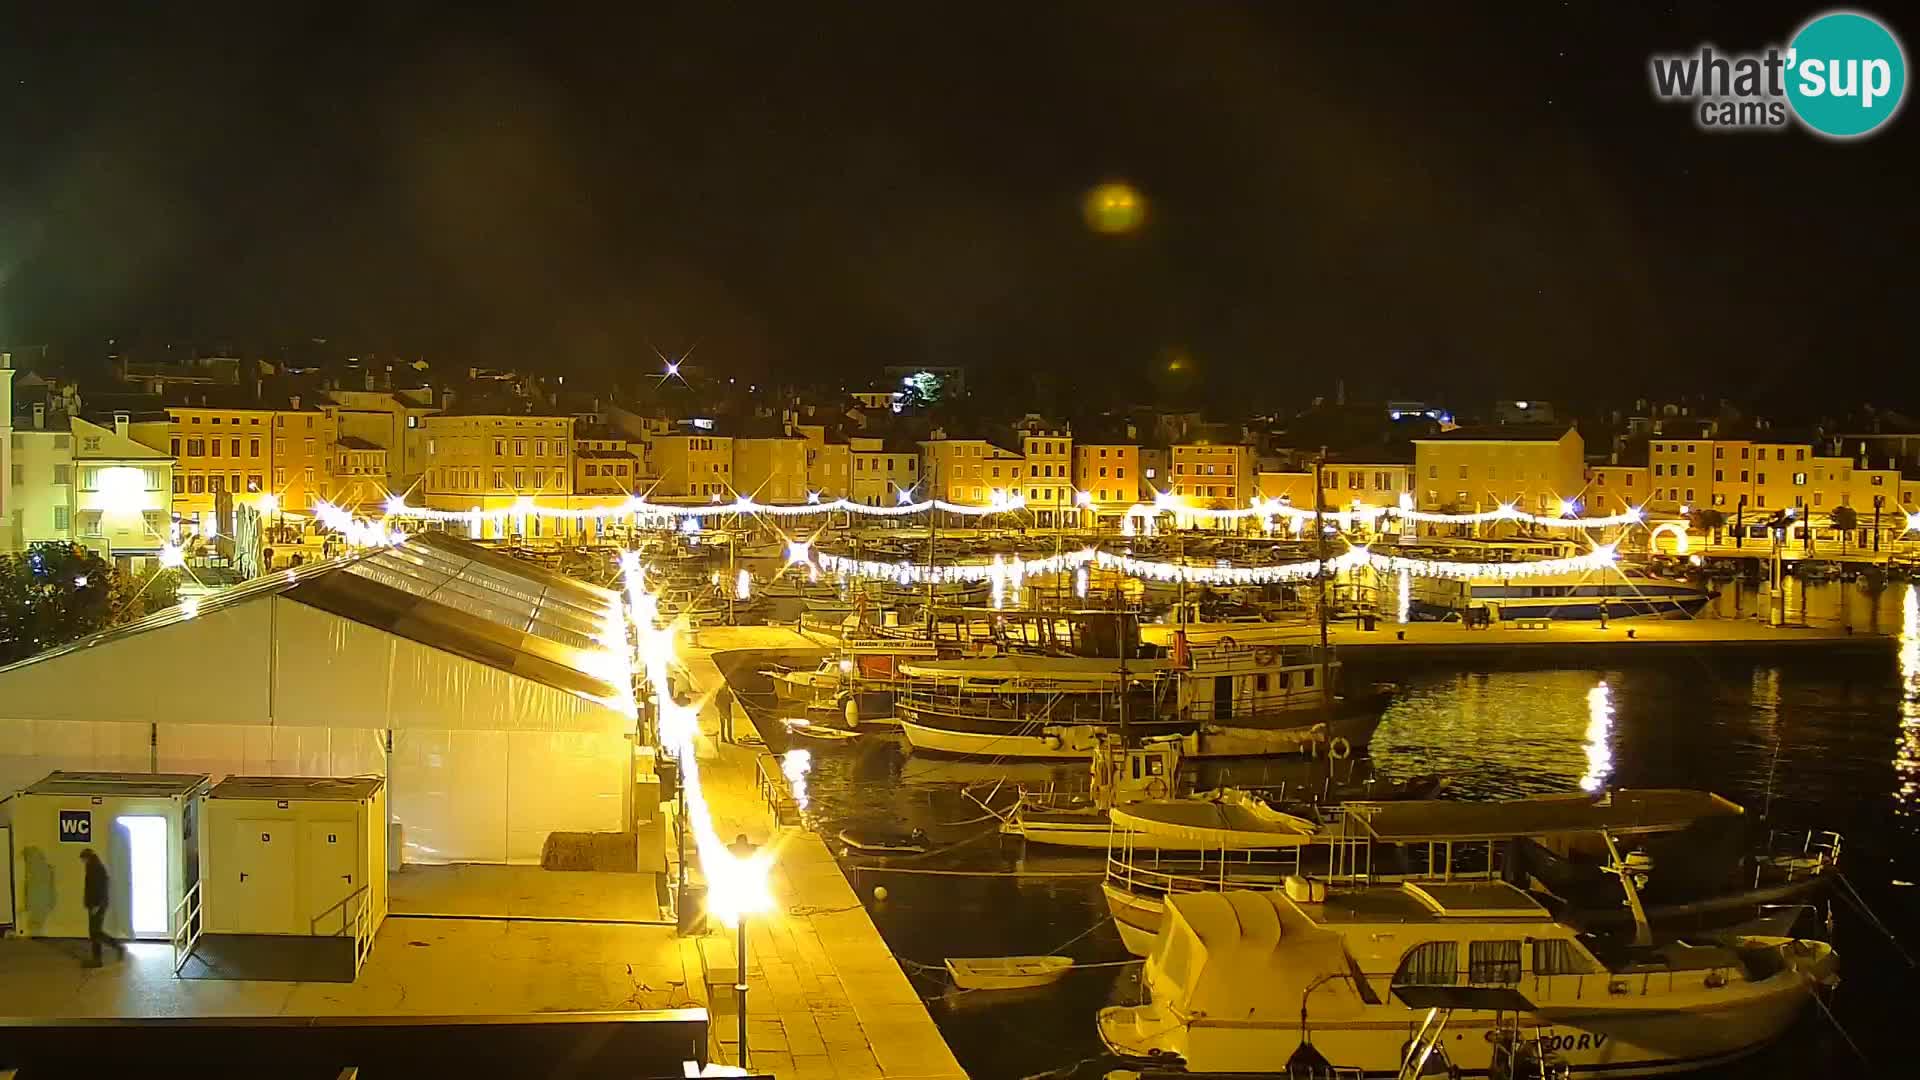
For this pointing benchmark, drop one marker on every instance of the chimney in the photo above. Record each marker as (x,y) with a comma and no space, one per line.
(121,422)
(293,402)
(39,416)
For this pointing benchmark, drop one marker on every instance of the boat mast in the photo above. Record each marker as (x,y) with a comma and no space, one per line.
(1126,733)
(1320,580)
(933,514)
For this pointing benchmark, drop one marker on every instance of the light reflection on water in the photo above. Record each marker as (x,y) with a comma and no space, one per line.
(1906,758)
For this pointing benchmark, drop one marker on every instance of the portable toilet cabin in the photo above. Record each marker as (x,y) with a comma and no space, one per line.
(141,825)
(294,856)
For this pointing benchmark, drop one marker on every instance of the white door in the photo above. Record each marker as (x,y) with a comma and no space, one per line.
(262,881)
(145,837)
(330,872)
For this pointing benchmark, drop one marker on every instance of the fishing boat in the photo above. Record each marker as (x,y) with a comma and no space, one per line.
(1225,701)
(1447,978)
(1007,972)
(1698,867)
(854,682)
(1623,592)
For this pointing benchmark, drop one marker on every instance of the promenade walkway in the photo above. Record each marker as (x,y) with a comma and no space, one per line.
(826,999)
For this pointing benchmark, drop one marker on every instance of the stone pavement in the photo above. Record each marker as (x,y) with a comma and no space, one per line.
(826,997)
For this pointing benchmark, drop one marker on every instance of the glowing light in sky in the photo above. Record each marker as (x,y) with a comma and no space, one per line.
(1599,730)
(1114,209)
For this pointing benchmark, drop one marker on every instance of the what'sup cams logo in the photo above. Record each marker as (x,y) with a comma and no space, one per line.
(1843,76)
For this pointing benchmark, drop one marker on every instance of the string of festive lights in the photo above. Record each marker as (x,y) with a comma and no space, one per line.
(641,510)
(736,884)
(1364,513)
(1011,573)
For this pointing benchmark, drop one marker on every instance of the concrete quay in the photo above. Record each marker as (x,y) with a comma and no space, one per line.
(1621,639)
(826,997)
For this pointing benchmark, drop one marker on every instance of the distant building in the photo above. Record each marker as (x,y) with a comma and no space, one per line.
(486,460)
(881,471)
(1530,466)
(1109,474)
(1049,490)
(771,469)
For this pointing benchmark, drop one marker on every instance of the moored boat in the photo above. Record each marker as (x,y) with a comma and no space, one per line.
(1007,972)
(1244,982)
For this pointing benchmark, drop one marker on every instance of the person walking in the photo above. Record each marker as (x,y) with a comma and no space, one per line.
(95,897)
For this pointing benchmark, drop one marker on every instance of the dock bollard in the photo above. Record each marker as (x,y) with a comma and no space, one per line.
(1630,633)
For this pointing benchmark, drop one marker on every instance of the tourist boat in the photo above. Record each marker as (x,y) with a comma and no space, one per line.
(1007,972)
(1699,870)
(1624,592)
(1237,701)
(1311,981)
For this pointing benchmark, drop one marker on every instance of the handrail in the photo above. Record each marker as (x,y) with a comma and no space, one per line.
(185,935)
(313,924)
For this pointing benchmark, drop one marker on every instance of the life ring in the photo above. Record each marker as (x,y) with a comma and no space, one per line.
(1156,788)
(1265,655)
(1340,749)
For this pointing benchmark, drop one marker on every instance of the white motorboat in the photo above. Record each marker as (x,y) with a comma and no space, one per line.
(1253,982)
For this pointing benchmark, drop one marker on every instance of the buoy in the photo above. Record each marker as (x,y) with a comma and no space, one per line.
(879,892)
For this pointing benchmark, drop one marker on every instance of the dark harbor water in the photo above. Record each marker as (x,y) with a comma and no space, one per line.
(1807,742)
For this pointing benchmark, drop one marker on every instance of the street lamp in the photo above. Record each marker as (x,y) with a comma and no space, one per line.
(740,891)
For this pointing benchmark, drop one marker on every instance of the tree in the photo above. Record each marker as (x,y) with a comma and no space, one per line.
(139,597)
(1709,520)
(52,594)
(1845,520)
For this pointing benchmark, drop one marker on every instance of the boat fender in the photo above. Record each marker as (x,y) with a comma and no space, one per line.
(1265,656)
(1051,742)
(851,711)
(1305,890)
(1340,749)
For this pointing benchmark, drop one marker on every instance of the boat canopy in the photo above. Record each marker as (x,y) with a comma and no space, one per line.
(1623,812)
(1039,671)
(1251,956)
(1227,820)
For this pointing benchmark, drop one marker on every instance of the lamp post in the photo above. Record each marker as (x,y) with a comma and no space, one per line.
(743,850)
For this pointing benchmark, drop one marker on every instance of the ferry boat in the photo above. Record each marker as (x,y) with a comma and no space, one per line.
(1625,592)
(1308,980)
(1234,701)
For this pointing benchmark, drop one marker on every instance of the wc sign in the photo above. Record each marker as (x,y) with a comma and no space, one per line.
(76,826)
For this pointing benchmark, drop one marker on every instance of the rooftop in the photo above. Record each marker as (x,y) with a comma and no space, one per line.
(297,788)
(150,785)
(1501,433)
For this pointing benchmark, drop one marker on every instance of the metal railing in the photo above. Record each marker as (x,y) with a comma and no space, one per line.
(186,927)
(1797,855)
(358,922)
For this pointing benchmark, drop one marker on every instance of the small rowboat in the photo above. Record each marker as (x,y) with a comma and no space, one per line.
(874,842)
(1006,972)
(821,734)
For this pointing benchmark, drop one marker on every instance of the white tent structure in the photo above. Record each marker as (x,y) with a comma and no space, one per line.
(494,697)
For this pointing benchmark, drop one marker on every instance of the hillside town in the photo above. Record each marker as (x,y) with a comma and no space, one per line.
(157,457)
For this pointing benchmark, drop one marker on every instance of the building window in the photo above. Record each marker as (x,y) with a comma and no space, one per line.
(1719,451)
(63,474)
(179,484)
(1463,472)
(279,478)
(196,484)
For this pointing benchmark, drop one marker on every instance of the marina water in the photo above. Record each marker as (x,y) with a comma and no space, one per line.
(1806,740)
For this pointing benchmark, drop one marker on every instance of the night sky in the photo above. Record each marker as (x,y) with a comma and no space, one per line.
(1424,199)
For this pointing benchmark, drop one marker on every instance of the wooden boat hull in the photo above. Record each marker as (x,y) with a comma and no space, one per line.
(1007,972)
(1030,743)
